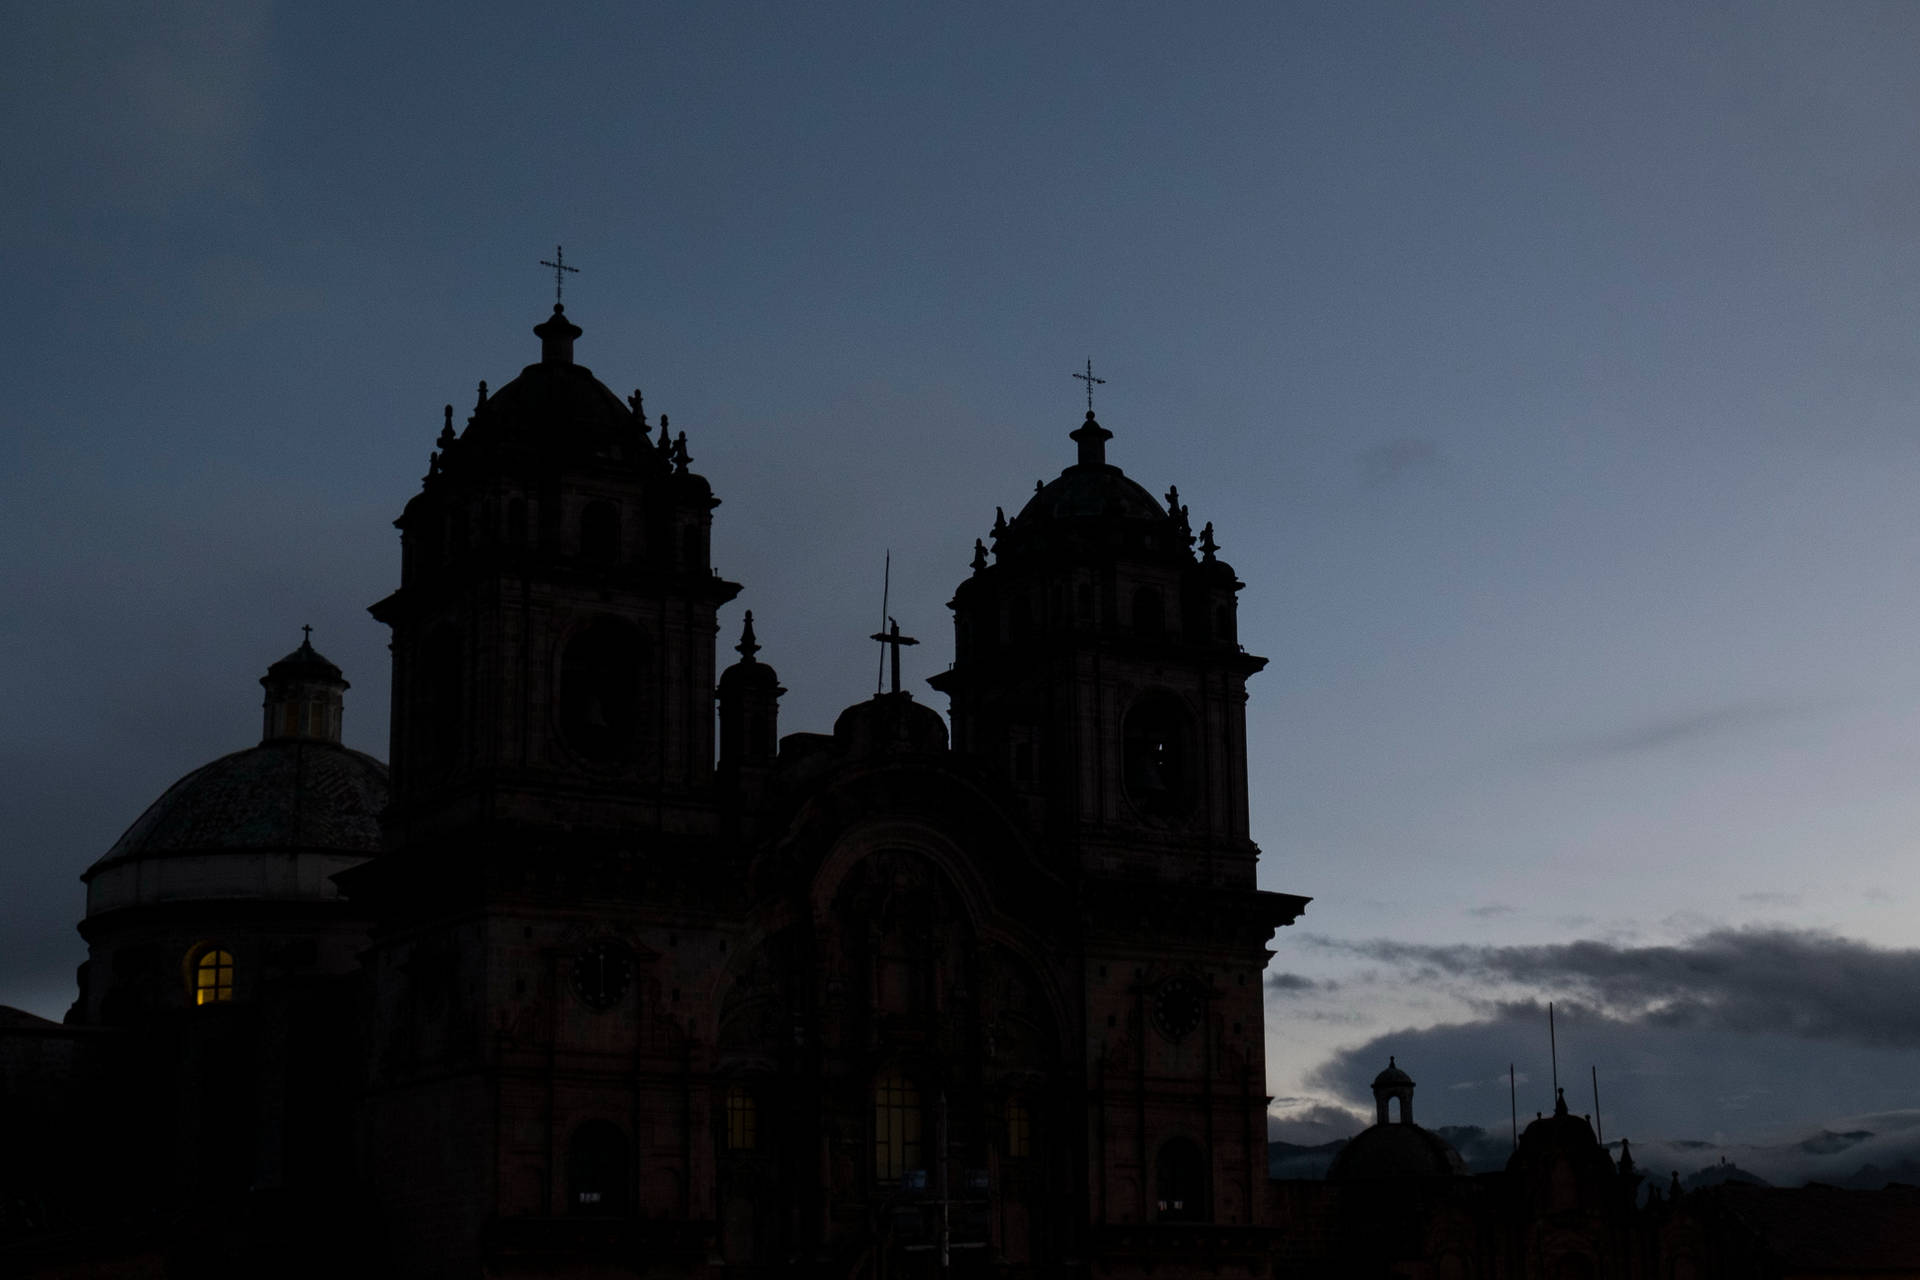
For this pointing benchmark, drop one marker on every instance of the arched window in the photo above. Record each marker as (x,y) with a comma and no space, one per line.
(213,977)
(1149,614)
(597,1169)
(1180,1176)
(600,533)
(1155,736)
(896,1127)
(600,689)
(743,1120)
(1019,1129)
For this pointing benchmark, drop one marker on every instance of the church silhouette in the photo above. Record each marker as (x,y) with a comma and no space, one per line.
(575,982)
(603,975)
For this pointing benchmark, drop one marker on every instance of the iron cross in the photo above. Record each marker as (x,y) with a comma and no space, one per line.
(1090,380)
(893,637)
(559,264)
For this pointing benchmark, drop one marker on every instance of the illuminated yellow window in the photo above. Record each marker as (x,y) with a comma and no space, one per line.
(1019,1129)
(213,977)
(896,1127)
(743,1120)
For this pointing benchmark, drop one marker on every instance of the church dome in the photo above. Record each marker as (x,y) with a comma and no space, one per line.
(1396,1151)
(288,794)
(890,723)
(1087,500)
(554,406)
(1395,1147)
(301,803)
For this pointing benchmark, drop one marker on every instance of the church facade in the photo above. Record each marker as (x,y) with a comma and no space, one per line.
(602,974)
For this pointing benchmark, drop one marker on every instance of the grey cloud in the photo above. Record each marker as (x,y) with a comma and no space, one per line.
(1311,1124)
(1296,983)
(1664,1087)
(1799,983)
(1392,459)
(1490,910)
(1659,732)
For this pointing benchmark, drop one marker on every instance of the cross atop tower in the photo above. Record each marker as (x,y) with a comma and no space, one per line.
(306,635)
(892,636)
(559,265)
(1090,380)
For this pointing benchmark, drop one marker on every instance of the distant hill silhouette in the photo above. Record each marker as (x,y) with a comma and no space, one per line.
(1714,1175)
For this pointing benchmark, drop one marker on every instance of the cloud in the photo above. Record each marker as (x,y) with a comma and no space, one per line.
(1780,982)
(1730,1092)
(1297,983)
(1392,459)
(1490,910)
(1308,1123)
(1660,732)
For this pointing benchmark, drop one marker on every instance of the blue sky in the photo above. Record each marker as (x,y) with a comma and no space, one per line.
(1548,373)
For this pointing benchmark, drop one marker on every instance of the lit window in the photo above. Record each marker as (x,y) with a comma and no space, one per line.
(213,977)
(896,1127)
(743,1120)
(1019,1129)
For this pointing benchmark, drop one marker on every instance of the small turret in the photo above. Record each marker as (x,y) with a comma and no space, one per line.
(749,696)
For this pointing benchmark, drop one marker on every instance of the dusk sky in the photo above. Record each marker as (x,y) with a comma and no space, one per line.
(1550,374)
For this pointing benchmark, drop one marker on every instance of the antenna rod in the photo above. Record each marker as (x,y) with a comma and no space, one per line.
(886,585)
(1553,1048)
(1599,1130)
(1513,1106)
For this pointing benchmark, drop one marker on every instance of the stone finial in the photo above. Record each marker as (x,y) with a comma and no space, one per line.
(681,458)
(979,555)
(1207,545)
(666,441)
(748,646)
(999,524)
(482,398)
(446,428)
(639,407)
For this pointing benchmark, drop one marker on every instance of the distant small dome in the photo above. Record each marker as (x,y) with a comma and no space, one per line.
(1392,1076)
(1396,1151)
(1561,1138)
(889,723)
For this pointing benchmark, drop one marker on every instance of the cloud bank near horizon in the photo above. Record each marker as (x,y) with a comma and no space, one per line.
(1748,1037)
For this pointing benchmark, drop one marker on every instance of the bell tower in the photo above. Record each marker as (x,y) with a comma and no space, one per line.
(1098,673)
(553,632)
(1099,680)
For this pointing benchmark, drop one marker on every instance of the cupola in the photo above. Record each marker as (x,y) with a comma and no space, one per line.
(303,696)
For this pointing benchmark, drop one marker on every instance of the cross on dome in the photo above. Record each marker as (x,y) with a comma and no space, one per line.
(1090,380)
(559,265)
